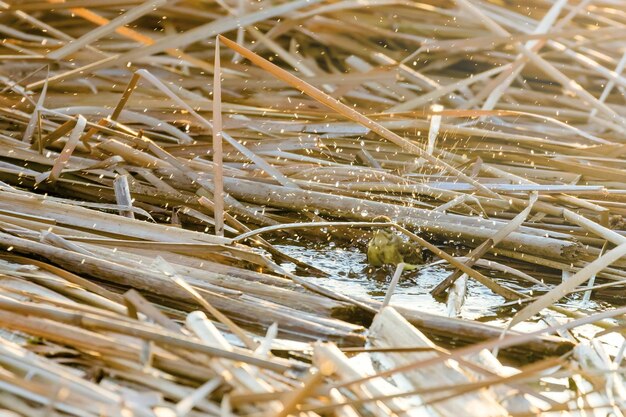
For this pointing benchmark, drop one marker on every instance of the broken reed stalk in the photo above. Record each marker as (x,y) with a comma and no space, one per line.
(218,200)
(392,285)
(122,195)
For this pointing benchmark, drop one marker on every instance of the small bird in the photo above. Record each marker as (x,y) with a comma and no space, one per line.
(386,247)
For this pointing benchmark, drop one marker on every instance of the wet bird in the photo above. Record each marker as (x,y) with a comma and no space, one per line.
(387,247)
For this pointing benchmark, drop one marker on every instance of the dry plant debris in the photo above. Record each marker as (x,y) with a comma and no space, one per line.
(152,151)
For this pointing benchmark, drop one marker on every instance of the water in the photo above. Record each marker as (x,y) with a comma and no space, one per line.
(351,275)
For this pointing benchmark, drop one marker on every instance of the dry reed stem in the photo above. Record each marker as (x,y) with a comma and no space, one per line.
(497,145)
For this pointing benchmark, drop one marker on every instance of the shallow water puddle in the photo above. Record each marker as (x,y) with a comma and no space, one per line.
(351,275)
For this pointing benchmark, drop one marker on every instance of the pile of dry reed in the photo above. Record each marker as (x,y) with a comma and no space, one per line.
(149,148)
